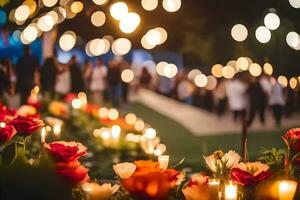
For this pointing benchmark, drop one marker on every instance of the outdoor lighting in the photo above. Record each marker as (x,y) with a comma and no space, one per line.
(119,10)
(216,70)
(163,34)
(97,47)
(160,68)
(231,191)
(214,187)
(57,130)
(255,69)
(115,131)
(62,14)
(272,21)
(67,41)
(228,72)
(76,103)
(287,190)
(201,80)
(139,125)
(98,18)
(45,23)
(76,7)
(145,43)
(283,81)
(22,13)
(49,3)
(163,161)
(150,133)
(121,46)
(242,63)
(130,118)
(293,82)
(54,16)
(100,2)
(31,4)
(293,39)
(29,34)
(193,73)
(171,5)
(170,70)
(2,124)
(268,69)
(130,22)
(149,5)
(295,3)
(127,75)
(211,83)
(113,114)
(239,32)
(263,34)
(153,37)
(43,135)
(103,113)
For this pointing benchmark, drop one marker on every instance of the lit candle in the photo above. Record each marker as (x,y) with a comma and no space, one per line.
(287,190)
(230,192)
(163,161)
(214,187)
(83,98)
(43,135)
(57,130)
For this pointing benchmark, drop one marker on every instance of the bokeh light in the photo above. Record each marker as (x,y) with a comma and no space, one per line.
(139,125)
(103,113)
(29,34)
(153,37)
(293,39)
(211,82)
(98,18)
(67,41)
(242,63)
(170,70)
(22,13)
(149,5)
(49,3)
(145,43)
(171,5)
(193,73)
(130,22)
(268,69)
(216,70)
(272,21)
(263,34)
(76,7)
(45,23)
(201,80)
(31,4)
(239,32)
(127,75)
(283,81)
(97,47)
(100,2)
(130,118)
(255,69)
(228,72)
(295,3)
(293,82)
(163,34)
(118,10)
(121,46)
(76,103)
(160,68)
(113,114)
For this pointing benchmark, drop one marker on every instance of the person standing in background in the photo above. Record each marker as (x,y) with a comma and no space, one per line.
(87,73)
(220,97)
(77,83)
(277,102)
(4,80)
(26,70)
(48,76)
(114,82)
(145,78)
(98,85)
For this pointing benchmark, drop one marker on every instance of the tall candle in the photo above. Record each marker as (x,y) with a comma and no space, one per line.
(43,135)
(163,161)
(214,187)
(57,130)
(287,189)
(230,192)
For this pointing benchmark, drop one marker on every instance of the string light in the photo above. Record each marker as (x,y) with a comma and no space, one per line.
(239,32)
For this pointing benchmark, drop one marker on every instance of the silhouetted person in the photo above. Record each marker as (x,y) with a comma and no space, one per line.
(145,78)
(277,102)
(98,84)
(48,76)
(257,100)
(25,70)
(4,81)
(77,83)
(114,83)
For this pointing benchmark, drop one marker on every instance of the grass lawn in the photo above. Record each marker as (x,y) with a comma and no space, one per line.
(183,144)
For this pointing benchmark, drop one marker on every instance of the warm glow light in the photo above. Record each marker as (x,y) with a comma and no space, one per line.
(268,69)
(67,41)
(145,43)
(130,118)
(201,80)
(76,7)
(193,73)
(163,161)
(54,16)
(239,32)
(255,69)
(76,103)
(242,63)
(115,131)
(263,34)
(171,5)
(295,3)
(119,10)
(29,34)
(153,37)
(211,83)
(163,34)
(43,135)
(113,114)
(230,192)
(150,133)
(149,5)
(170,70)
(49,3)
(100,2)
(287,190)
(160,68)
(31,4)
(2,124)
(98,18)
(22,13)
(105,134)
(127,75)
(130,22)
(293,39)
(283,81)
(103,113)
(45,23)
(139,125)
(272,21)
(57,130)
(97,47)
(217,70)
(293,82)
(228,72)
(121,46)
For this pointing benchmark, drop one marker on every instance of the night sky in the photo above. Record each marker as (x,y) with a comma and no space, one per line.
(200,30)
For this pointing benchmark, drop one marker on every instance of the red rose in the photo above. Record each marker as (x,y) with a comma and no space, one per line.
(70,97)
(66,151)
(293,137)
(247,179)
(26,125)
(6,133)
(74,172)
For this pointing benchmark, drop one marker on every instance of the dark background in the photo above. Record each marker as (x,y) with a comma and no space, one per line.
(200,30)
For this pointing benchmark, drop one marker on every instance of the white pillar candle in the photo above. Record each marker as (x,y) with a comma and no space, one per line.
(43,135)
(231,191)
(214,187)
(287,189)
(57,130)
(163,161)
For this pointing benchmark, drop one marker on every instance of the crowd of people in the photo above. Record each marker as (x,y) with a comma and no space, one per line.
(244,95)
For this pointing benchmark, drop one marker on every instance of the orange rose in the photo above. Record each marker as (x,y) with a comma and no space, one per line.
(145,166)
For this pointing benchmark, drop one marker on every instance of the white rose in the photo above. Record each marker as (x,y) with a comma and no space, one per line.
(95,191)
(232,158)
(124,170)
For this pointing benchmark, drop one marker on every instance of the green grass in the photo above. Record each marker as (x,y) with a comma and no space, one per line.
(183,144)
